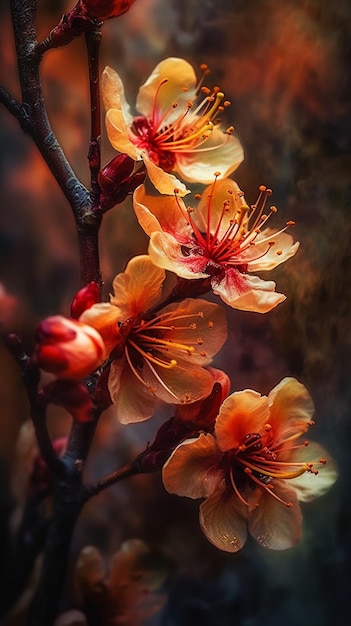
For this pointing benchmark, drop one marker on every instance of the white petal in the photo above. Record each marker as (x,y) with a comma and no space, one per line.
(309,486)
(165,183)
(247,293)
(154,101)
(220,153)
(112,90)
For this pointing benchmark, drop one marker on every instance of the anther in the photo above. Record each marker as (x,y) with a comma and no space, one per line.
(210,324)
(229,130)
(279,252)
(226,103)
(290,223)
(273,209)
(217,174)
(206,90)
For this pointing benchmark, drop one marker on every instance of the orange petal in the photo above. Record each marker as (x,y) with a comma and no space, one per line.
(138,287)
(242,413)
(133,401)
(193,468)
(223,520)
(273,524)
(291,405)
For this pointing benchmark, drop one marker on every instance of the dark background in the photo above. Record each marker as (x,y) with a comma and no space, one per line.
(285,68)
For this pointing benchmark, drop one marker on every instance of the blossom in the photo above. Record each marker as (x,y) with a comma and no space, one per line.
(222,239)
(68,348)
(174,132)
(254,471)
(158,352)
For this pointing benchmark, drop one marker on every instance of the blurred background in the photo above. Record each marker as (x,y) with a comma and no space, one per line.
(285,68)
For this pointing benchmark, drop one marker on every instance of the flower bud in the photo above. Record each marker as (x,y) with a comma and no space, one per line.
(117,179)
(84,299)
(68,348)
(106,9)
(72,396)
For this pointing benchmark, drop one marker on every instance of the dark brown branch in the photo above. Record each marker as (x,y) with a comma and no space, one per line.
(93,40)
(130,469)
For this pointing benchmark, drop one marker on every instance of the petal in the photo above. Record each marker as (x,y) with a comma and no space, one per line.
(193,469)
(291,406)
(219,153)
(278,252)
(166,252)
(223,520)
(138,287)
(112,91)
(160,213)
(242,413)
(309,486)
(273,524)
(164,183)
(247,293)
(132,399)
(104,317)
(118,135)
(199,324)
(217,194)
(154,101)
(184,383)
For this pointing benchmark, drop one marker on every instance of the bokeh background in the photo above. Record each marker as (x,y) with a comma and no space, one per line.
(285,68)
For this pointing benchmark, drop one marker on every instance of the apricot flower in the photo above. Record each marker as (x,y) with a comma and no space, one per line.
(253,472)
(158,351)
(223,239)
(174,132)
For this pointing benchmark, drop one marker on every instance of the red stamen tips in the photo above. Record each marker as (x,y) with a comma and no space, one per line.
(267,427)
(323,461)
(273,209)
(290,223)
(217,174)
(226,103)
(262,188)
(206,90)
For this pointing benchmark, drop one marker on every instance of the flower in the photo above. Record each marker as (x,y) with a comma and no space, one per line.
(158,351)
(123,592)
(253,471)
(173,132)
(106,9)
(68,348)
(223,239)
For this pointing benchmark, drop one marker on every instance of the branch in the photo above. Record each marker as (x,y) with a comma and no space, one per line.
(31,379)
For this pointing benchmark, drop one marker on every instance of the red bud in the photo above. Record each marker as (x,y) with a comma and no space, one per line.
(84,299)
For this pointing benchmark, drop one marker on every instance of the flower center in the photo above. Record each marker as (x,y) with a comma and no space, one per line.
(157,344)
(263,459)
(227,234)
(183,127)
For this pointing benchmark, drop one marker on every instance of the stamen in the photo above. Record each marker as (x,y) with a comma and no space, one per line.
(241,498)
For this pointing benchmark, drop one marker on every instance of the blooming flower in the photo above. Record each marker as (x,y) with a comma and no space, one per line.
(254,471)
(158,351)
(223,239)
(173,133)
(68,348)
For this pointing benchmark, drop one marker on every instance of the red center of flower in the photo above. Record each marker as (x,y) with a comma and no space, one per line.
(146,138)
(263,458)
(165,134)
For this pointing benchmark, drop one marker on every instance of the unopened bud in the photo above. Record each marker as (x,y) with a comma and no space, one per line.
(68,348)
(84,299)
(106,9)
(117,179)
(72,396)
